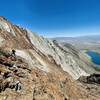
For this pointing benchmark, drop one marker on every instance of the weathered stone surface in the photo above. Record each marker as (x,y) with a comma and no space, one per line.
(41,69)
(92,79)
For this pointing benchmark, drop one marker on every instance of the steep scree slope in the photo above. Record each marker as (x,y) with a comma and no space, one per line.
(29,45)
(42,69)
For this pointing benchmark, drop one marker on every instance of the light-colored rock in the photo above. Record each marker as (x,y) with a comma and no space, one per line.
(45,69)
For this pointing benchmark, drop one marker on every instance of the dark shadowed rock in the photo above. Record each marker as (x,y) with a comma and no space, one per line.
(94,78)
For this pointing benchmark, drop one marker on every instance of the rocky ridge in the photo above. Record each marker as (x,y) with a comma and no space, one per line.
(29,44)
(42,69)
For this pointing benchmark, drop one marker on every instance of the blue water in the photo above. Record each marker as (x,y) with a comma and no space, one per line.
(95,57)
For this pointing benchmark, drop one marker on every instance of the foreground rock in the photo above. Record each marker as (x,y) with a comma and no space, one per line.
(20,82)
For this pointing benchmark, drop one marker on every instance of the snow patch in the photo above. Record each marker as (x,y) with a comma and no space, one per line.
(24,54)
(44,64)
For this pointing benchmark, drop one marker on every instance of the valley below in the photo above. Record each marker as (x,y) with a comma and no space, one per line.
(89,45)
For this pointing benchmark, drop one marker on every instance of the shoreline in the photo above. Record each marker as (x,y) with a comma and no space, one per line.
(97,67)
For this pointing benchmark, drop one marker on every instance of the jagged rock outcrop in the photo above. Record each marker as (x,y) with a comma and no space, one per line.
(42,69)
(92,79)
(21,39)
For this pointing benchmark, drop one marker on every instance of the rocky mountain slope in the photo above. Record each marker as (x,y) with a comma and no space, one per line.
(42,69)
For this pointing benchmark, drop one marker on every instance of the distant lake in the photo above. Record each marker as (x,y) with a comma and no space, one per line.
(95,57)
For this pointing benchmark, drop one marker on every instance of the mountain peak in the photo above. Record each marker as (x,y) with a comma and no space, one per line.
(1,17)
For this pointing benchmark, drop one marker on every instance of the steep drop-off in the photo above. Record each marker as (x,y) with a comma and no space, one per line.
(42,69)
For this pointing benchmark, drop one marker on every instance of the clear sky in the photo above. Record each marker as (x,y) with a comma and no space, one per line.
(54,17)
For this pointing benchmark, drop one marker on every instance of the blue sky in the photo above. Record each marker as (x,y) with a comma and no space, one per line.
(52,18)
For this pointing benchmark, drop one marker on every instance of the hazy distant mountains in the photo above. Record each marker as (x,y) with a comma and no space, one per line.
(83,42)
(92,38)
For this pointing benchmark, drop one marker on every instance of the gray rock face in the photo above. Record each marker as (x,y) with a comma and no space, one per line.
(30,46)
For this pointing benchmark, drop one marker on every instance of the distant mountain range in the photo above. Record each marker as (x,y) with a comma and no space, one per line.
(91,38)
(83,42)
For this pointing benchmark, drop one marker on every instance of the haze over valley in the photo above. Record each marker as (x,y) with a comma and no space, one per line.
(89,42)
